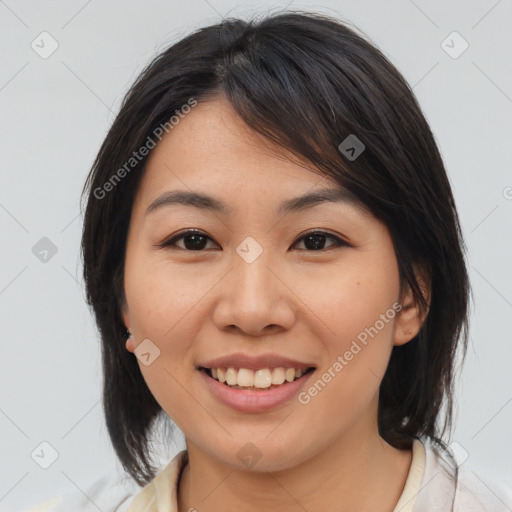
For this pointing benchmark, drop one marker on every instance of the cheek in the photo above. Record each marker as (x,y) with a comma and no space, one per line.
(162,297)
(163,305)
(341,394)
(357,307)
(353,299)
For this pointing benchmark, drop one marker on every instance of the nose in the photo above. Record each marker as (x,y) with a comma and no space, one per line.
(254,299)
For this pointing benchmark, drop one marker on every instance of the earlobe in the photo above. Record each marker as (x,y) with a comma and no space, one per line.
(406,327)
(412,316)
(130,344)
(404,334)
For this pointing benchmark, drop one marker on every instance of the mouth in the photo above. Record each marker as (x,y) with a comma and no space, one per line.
(262,379)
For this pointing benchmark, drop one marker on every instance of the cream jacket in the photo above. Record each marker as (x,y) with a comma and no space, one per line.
(435,483)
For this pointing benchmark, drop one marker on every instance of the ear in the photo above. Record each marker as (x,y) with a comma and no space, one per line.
(130,344)
(411,317)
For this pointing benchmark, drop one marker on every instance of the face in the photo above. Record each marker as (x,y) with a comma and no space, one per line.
(261,288)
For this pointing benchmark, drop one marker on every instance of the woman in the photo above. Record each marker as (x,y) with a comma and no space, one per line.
(274,259)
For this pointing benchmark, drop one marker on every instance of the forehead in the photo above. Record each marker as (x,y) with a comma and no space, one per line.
(212,149)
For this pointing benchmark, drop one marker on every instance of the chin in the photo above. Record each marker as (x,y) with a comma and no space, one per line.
(263,456)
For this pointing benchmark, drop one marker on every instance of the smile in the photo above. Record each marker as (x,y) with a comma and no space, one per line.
(258,393)
(261,379)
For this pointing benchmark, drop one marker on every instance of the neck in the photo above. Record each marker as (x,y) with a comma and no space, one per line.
(359,471)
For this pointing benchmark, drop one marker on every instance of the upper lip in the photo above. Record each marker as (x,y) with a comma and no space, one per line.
(255,362)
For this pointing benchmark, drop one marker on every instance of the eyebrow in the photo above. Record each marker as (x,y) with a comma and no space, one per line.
(206,202)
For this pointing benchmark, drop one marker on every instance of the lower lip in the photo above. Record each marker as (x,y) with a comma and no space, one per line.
(254,401)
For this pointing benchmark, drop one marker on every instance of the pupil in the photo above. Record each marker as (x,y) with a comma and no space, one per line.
(198,242)
(316,245)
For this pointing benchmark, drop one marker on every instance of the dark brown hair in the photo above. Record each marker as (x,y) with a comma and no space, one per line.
(306,82)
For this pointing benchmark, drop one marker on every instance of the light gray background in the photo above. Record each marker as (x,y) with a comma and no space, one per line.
(56,111)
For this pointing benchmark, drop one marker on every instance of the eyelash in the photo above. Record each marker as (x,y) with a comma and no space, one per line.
(171,242)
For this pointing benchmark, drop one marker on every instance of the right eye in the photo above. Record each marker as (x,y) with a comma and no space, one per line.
(194,240)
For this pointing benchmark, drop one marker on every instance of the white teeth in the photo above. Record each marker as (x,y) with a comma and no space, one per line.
(231,376)
(262,379)
(289,374)
(245,377)
(278,376)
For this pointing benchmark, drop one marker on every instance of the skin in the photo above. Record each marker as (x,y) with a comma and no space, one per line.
(292,300)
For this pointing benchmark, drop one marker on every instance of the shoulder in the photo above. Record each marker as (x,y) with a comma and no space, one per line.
(110,493)
(452,483)
(163,489)
(47,506)
(477,492)
(113,494)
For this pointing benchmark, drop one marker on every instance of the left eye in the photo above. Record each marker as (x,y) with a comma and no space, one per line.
(316,240)
(196,240)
